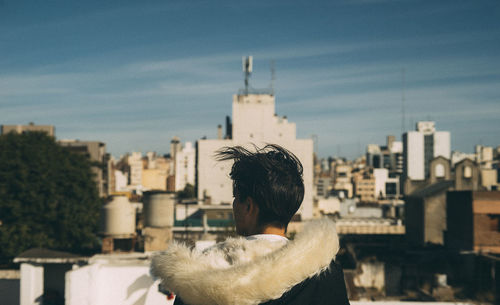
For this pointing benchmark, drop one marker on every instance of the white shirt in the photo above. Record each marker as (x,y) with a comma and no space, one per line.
(270,237)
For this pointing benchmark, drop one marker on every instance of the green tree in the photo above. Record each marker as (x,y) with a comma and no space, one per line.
(48,197)
(187,193)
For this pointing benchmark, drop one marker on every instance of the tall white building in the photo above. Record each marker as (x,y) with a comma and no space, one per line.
(185,166)
(421,146)
(136,166)
(254,122)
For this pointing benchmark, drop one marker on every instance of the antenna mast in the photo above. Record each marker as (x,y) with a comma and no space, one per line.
(247,69)
(273,76)
(403,84)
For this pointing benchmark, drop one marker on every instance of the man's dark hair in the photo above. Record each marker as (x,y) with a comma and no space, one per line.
(271,176)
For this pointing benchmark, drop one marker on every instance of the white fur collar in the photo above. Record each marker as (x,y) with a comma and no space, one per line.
(241,271)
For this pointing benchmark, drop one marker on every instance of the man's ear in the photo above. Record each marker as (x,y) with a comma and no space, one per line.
(251,206)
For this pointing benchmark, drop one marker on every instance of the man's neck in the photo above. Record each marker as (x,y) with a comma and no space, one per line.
(273,230)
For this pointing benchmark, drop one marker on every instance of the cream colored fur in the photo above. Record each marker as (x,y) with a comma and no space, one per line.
(241,271)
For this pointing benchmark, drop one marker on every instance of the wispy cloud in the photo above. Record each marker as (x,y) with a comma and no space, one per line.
(333,90)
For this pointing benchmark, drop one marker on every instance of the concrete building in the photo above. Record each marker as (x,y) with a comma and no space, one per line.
(254,122)
(365,188)
(489,179)
(440,170)
(385,186)
(95,151)
(48,129)
(473,221)
(425,212)
(420,147)
(154,179)
(43,275)
(323,186)
(457,156)
(185,166)
(327,207)
(425,208)
(52,277)
(343,179)
(389,156)
(484,156)
(467,175)
(373,156)
(121,181)
(136,167)
(175,147)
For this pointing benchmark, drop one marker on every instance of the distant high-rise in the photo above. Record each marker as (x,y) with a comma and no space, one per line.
(49,129)
(389,156)
(185,166)
(254,121)
(421,146)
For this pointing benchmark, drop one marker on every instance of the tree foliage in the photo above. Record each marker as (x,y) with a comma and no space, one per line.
(48,197)
(187,193)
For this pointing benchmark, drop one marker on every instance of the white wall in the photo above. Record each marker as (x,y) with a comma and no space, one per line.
(121,181)
(113,283)
(442,144)
(185,166)
(31,284)
(329,205)
(396,147)
(254,120)
(381,175)
(415,169)
(213,176)
(135,163)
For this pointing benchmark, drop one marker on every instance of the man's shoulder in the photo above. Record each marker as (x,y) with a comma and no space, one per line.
(327,287)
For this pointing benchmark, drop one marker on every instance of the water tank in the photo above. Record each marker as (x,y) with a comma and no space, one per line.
(158,209)
(118,218)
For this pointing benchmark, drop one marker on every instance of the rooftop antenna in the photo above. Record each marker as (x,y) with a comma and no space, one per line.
(273,76)
(247,62)
(403,84)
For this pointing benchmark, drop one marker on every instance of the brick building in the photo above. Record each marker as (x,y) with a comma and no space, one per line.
(473,222)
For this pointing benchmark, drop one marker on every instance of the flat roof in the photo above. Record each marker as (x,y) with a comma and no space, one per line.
(41,255)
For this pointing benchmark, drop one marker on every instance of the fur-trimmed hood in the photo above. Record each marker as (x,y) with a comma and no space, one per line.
(242,271)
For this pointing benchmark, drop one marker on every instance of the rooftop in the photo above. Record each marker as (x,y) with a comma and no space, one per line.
(41,255)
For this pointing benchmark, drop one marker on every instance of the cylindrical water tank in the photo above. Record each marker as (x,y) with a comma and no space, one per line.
(158,209)
(118,218)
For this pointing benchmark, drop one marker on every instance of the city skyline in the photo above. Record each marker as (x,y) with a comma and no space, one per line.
(135,75)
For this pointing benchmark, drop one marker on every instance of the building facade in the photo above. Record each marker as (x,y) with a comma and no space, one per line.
(420,147)
(473,221)
(185,166)
(48,129)
(254,123)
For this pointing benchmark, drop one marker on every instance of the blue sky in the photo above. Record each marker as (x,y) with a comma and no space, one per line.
(133,74)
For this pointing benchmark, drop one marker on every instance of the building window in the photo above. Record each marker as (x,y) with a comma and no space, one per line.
(494,223)
(439,171)
(467,172)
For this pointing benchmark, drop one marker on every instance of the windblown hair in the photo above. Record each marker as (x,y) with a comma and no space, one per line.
(271,176)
